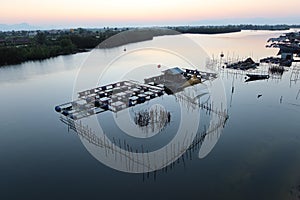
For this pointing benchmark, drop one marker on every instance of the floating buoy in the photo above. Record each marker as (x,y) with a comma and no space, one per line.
(158,66)
(57,109)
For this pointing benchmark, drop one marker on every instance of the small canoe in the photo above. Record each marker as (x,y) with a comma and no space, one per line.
(258,76)
(254,77)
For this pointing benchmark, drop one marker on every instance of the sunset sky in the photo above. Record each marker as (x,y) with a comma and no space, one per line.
(147,12)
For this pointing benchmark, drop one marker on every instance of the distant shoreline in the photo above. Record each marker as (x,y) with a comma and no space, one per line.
(22,46)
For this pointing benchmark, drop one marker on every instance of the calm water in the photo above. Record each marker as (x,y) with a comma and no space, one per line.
(256,155)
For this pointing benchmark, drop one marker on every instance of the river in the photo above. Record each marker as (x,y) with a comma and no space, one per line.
(255,154)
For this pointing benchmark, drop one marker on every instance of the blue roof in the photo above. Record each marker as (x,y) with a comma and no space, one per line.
(173,71)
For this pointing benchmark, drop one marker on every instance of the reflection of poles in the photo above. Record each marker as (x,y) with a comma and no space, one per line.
(294,75)
(154,120)
(298,94)
(221,57)
(232,90)
(209,107)
(187,143)
(227,57)
(126,153)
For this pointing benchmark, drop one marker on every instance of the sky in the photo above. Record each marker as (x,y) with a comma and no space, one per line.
(89,13)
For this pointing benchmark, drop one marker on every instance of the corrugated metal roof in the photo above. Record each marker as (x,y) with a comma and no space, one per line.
(173,71)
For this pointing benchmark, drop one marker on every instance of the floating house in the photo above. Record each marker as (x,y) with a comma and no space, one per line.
(173,73)
(288,45)
(243,65)
(124,94)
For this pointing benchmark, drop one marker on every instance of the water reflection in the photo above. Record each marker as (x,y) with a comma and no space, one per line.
(33,69)
(128,156)
(294,78)
(256,157)
(153,120)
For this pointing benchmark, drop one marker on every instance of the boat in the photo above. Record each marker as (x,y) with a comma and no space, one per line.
(258,76)
(254,77)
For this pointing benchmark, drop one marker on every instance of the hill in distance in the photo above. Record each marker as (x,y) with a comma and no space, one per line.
(17,27)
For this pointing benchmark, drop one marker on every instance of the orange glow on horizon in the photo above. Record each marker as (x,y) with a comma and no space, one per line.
(55,11)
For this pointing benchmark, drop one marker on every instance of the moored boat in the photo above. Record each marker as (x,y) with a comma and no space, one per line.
(254,77)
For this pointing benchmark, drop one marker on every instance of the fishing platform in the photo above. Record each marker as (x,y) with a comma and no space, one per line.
(124,94)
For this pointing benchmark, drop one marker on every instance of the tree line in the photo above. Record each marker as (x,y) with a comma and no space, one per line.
(45,46)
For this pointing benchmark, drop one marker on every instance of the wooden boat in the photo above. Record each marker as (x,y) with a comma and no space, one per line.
(254,77)
(258,76)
